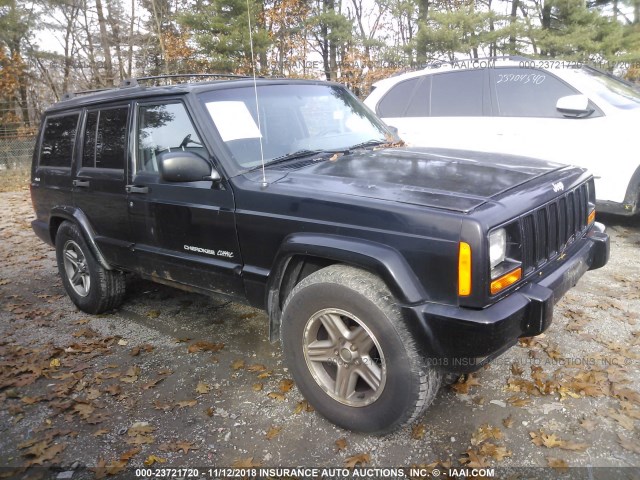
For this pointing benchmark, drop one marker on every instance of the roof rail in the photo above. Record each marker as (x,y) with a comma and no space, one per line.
(134,82)
(70,95)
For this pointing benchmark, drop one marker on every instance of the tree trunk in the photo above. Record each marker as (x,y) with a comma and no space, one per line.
(106,44)
(423,15)
(513,21)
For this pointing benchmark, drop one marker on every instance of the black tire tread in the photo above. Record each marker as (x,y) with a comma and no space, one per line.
(374,289)
(111,283)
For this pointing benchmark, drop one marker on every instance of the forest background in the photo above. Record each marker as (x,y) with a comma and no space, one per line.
(49,47)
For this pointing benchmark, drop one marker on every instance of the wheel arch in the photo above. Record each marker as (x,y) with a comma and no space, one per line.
(60,214)
(304,253)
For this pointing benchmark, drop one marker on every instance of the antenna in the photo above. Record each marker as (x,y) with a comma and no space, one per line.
(255,90)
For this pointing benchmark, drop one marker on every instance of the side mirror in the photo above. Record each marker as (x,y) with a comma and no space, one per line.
(185,167)
(574,106)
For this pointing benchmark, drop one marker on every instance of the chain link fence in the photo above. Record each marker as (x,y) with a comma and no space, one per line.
(16,152)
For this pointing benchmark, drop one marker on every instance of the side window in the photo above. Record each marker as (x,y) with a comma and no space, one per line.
(163,127)
(525,92)
(395,102)
(105,138)
(58,140)
(457,94)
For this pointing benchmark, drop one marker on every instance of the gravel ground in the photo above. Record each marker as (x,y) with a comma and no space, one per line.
(177,379)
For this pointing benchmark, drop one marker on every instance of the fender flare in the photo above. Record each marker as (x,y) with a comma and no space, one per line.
(384,261)
(78,217)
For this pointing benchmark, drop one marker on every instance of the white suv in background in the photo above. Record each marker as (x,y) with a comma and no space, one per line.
(557,111)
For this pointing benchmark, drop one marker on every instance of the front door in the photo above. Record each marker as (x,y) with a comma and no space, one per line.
(184,232)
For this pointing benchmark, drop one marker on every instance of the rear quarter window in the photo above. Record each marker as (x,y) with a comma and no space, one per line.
(58,140)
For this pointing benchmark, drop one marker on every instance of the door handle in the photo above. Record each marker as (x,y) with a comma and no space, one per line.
(136,189)
(80,183)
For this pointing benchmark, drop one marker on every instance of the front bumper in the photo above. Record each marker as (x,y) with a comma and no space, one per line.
(462,340)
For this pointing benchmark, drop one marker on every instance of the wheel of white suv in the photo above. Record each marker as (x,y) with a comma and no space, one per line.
(90,286)
(350,353)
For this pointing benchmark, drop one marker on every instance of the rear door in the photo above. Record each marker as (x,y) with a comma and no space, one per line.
(184,232)
(100,179)
(52,171)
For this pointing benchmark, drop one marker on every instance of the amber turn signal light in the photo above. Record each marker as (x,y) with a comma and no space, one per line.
(464,270)
(504,281)
(592,217)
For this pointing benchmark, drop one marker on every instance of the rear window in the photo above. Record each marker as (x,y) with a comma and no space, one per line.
(58,140)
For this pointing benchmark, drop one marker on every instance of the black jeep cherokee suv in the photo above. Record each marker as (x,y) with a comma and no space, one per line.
(382,268)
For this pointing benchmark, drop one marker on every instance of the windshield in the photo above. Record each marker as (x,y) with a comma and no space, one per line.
(614,91)
(292,118)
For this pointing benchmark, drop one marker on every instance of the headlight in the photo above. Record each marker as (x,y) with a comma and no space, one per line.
(497,247)
(505,257)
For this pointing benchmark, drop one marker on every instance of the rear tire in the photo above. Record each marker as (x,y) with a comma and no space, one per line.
(93,288)
(351,354)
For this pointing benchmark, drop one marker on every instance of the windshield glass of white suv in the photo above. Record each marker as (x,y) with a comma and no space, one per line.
(291,118)
(614,91)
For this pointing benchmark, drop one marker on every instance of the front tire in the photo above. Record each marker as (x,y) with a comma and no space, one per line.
(93,288)
(350,353)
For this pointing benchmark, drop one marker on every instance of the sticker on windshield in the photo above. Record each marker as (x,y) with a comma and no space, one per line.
(233,120)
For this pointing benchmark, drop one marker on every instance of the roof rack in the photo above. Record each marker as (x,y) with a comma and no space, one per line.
(134,82)
(70,95)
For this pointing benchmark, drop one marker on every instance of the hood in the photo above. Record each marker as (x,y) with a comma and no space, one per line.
(441,178)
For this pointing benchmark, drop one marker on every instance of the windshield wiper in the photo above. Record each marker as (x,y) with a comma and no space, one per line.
(292,156)
(368,143)
(287,157)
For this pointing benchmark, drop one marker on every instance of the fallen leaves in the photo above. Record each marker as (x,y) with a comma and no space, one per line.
(418,431)
(498,453)
(186,403)
(303,406)
(203,346)
(630,445)
(140,433)
(132,374)
(285,385)
(355,460)
(473,459)
(464,383)
(542,439)
(238,364)
(146,348)
(203,388)
(482,449)
(152,459)
(558,464)
(341,444)
(485,432)
(273,432)
(277,396)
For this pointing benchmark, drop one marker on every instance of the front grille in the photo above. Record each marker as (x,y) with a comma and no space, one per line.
(548,229)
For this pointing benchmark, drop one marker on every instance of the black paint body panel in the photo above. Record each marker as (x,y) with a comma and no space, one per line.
(399,212)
